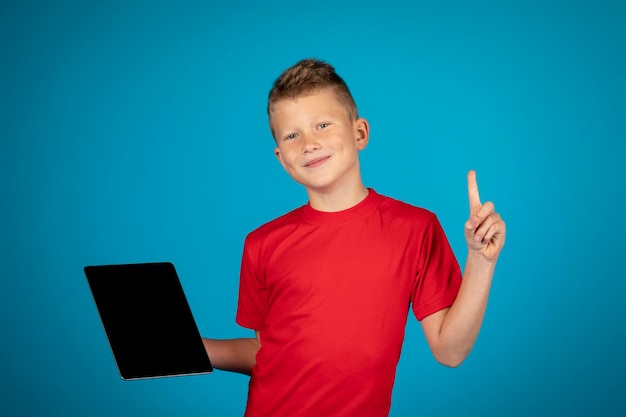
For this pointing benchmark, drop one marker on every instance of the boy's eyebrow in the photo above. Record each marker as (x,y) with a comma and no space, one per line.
(314,120)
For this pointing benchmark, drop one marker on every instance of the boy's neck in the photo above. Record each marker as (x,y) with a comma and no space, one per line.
(337,200)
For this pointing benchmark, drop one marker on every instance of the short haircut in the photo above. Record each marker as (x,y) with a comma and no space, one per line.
(307,77)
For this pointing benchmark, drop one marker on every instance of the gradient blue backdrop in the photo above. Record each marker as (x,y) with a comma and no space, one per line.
(136,131)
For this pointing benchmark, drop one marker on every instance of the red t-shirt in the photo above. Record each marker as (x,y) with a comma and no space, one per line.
(330,293)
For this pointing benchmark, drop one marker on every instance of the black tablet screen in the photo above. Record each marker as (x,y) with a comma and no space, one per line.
(147,320)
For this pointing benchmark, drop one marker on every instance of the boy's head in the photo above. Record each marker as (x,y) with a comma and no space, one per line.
(307,77)
(318,134)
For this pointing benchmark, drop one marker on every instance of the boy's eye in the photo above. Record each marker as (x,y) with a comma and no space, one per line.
(323,125)
(291,136)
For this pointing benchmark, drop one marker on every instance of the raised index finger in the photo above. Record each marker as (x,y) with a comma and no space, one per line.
(472,192)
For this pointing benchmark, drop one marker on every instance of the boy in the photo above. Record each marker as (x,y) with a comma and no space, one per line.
(327,287)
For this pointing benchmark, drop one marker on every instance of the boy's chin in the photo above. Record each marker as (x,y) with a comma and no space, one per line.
(319,187)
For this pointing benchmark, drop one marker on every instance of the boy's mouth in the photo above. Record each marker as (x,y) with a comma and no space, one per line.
(313,163)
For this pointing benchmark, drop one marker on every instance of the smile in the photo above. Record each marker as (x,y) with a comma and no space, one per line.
(314,163)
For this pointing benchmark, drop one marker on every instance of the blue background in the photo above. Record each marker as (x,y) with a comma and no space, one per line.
(136,131)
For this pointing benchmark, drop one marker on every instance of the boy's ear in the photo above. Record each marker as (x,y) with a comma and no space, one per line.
(278,156)
(361,133)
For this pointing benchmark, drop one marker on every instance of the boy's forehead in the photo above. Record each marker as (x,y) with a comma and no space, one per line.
(325,98)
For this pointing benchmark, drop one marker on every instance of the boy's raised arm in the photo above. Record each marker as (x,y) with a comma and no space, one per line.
(451,332)
(234,355)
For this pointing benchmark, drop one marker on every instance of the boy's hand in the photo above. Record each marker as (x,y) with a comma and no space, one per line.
(485,231)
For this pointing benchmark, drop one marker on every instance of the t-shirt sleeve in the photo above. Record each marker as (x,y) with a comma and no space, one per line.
(251,306)
(439,276)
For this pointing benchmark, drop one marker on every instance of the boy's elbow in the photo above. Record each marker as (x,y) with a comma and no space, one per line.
(450,363)
(451,360)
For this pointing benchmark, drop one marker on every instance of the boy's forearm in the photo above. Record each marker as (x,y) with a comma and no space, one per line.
(463,321)
(452,332)
(234,355)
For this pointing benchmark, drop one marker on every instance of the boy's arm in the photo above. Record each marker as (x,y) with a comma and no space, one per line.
(235,355)
(451,332)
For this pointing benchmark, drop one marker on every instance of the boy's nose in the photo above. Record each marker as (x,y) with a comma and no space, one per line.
(309,144)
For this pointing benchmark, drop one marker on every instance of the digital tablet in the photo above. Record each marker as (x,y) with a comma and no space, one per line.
(147,320)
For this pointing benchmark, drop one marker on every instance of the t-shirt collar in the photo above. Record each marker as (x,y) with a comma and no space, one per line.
(360,210)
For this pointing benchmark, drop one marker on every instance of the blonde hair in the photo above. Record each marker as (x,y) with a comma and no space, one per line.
(309,76)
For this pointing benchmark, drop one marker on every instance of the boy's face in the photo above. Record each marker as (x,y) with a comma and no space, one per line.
(318,142)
